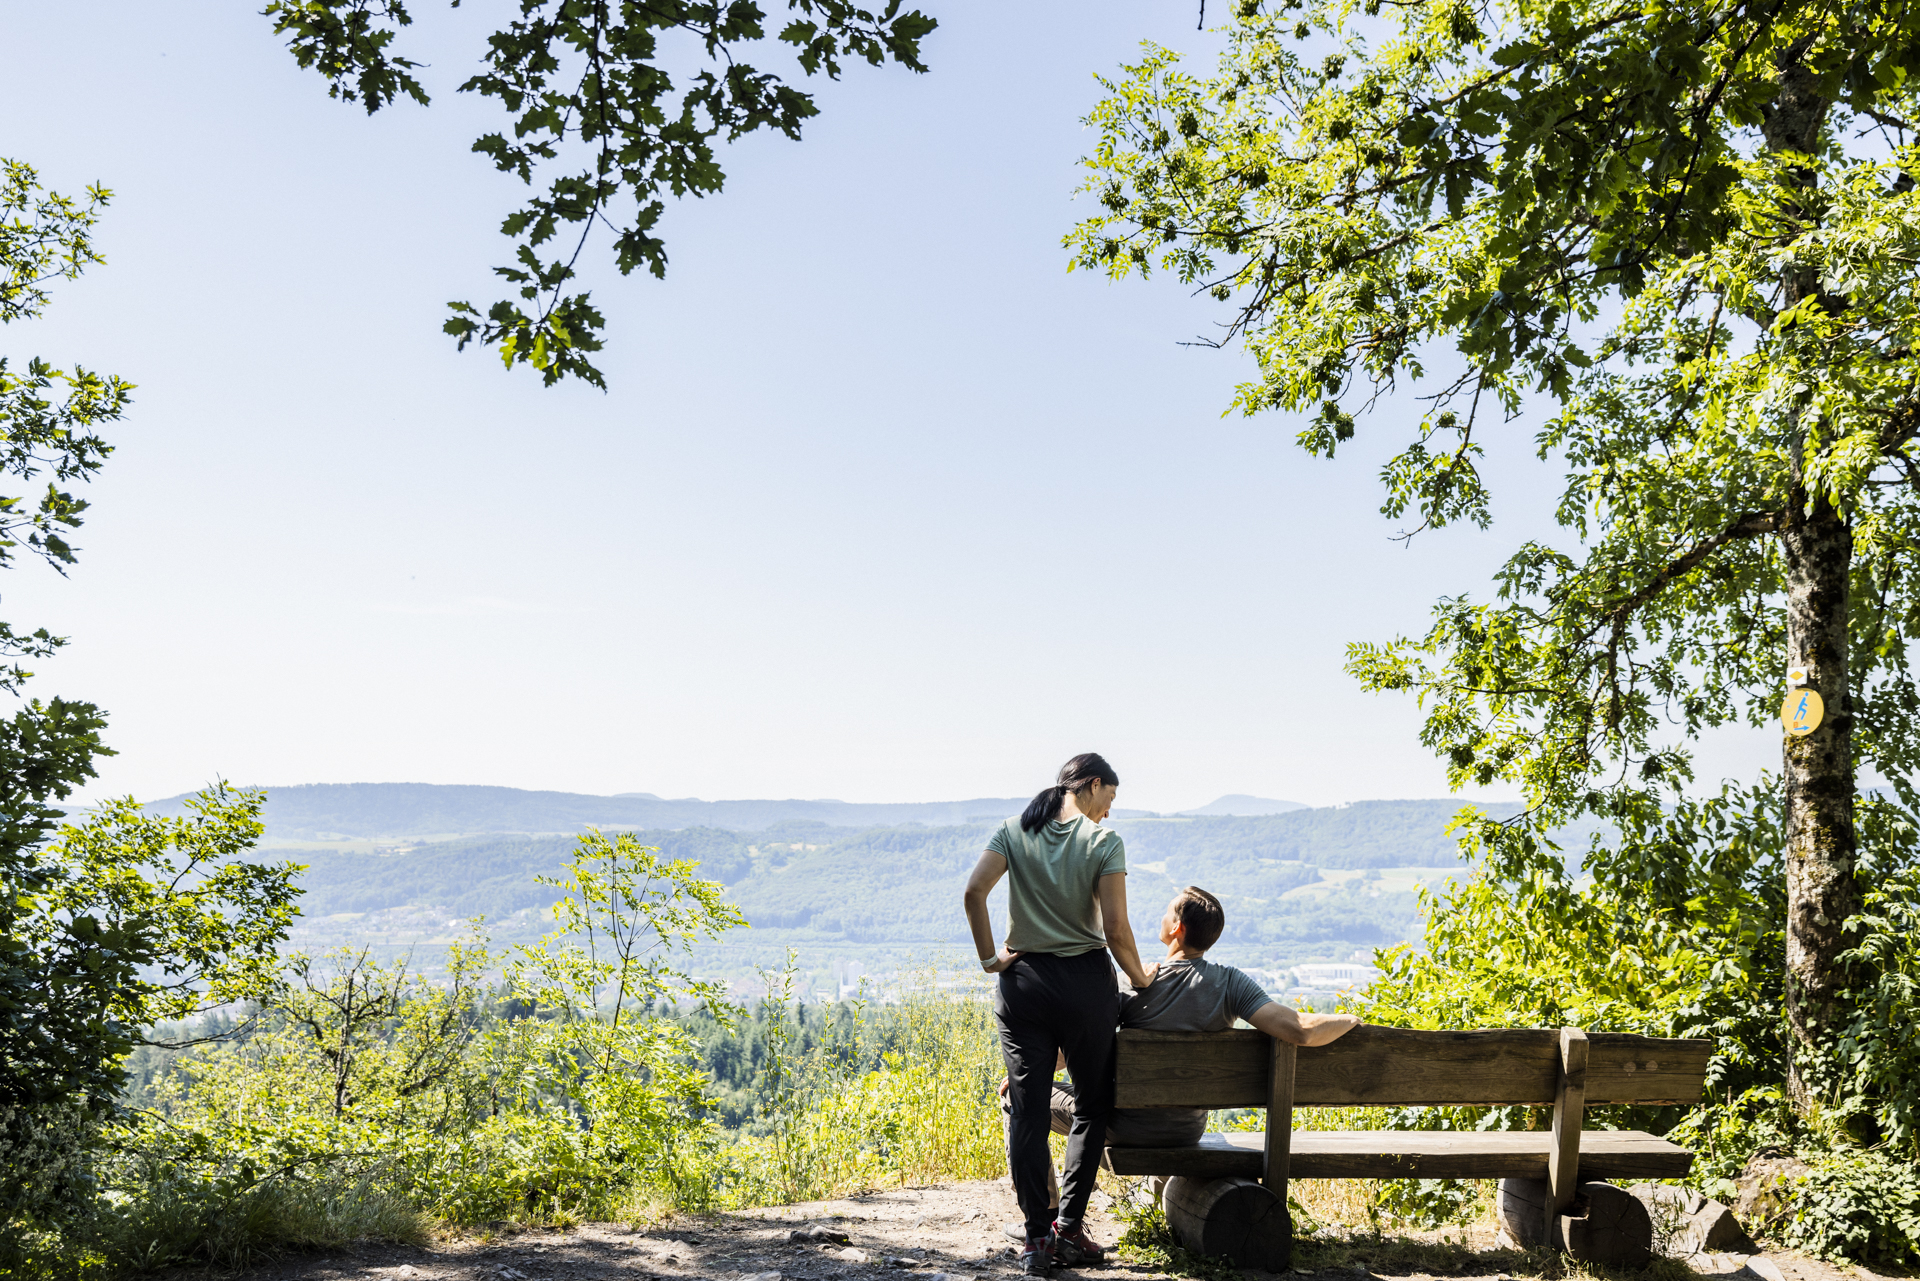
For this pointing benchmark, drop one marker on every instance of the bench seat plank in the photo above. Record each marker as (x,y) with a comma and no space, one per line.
(1412,1154)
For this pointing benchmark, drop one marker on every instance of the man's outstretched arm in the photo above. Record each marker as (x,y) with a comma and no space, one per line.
(1287,1024)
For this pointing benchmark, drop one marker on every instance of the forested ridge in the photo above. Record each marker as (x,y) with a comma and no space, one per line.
(811,885)
(397,811)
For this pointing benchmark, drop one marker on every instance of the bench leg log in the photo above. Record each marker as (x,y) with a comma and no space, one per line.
(1234,1218)
(1521,1209)
(1608,1225)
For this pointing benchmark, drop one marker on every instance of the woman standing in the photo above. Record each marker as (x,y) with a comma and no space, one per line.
(1067,897)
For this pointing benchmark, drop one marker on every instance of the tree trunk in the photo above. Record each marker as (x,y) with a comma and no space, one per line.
(1821,890)
(1818,768)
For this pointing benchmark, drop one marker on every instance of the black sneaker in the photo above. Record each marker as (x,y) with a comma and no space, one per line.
(1075,1249)
(1036,1257)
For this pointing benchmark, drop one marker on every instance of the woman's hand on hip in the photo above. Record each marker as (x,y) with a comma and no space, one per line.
(1001,961)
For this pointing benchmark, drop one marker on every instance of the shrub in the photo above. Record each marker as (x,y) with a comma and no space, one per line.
(122,921)
(1857,1204)
(548,1097)
(231,1214)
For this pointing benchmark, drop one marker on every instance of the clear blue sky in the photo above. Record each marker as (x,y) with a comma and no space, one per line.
(882,504)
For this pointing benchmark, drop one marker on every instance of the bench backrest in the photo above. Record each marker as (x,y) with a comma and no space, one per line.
(1403,1067)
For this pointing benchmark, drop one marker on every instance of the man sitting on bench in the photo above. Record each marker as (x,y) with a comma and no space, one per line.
(1189,994)
(1192,994)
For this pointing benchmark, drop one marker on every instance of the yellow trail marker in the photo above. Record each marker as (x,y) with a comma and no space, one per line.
(1802,712)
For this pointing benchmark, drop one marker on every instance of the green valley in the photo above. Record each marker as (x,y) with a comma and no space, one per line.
(1302,886)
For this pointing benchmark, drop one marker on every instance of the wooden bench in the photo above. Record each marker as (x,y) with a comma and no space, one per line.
(1566,1069)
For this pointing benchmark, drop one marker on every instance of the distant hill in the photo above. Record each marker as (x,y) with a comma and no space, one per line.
(1363,834)
(376,811)
(1298,886)
(1238,805)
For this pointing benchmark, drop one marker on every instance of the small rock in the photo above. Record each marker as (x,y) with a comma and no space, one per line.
(852,1255)
(1764,1268)
(762,1276)
(1767,1186)
(893,1261)
(1686,1223)
(407,1270)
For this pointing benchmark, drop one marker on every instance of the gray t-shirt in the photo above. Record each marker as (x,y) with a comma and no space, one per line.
(1053,875)
(1186,996)
(1193,996)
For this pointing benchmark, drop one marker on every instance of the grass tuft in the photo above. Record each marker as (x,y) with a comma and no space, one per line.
(1148,1242)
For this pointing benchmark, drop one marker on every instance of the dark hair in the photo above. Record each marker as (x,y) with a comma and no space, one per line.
(1202,915)
(1078,774)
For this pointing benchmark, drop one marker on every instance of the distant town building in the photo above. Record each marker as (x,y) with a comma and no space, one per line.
(1334,976)
(1275,982)
(847,977)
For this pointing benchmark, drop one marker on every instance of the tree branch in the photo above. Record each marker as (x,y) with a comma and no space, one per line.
(1749,526)
(1621,611)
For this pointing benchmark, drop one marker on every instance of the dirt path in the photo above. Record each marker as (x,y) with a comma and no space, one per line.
(951,1232)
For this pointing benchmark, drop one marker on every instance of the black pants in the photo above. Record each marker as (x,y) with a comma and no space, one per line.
(1060,1114)
(1048,1004)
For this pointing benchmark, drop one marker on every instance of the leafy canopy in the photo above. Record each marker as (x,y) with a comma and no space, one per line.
(55,1034)
(598,117)
(124,919)
(1599,216)
(50,418)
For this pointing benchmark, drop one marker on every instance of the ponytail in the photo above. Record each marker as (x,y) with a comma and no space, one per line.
(1076,775)
(1043,809)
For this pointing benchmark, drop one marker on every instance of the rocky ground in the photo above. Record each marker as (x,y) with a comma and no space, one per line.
(950,1232)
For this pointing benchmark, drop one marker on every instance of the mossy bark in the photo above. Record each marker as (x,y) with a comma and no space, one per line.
(1821,889)
(1817,544)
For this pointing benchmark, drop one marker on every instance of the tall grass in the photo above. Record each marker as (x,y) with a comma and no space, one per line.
(908,1097)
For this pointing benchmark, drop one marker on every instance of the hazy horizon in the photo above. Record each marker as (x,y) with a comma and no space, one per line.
(828,800)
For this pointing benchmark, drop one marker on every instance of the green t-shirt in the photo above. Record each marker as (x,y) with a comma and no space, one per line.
(1053,877)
